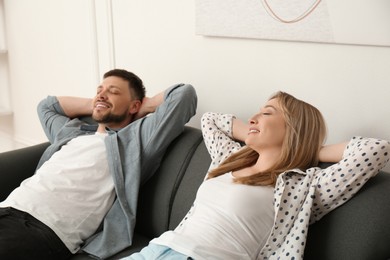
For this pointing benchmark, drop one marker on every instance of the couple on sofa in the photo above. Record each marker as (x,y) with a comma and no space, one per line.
(256,202)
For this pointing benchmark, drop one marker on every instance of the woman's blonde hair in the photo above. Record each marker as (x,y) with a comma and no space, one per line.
(305,134)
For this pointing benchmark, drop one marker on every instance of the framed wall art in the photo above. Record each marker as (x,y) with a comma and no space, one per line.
(362,22)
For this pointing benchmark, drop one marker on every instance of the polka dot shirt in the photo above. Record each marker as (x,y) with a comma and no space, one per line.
(302,197)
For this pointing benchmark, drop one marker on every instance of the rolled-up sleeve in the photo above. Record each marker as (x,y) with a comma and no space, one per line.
(363,158)
(217,135)
(51,116)
(167,122)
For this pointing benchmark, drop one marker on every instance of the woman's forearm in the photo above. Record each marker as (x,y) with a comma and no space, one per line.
(332,153)
(240,130)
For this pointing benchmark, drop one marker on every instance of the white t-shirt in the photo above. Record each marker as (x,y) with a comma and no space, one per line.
(71,193)
(227,221)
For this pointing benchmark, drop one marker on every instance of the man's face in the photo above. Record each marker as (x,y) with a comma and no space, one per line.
(114,105)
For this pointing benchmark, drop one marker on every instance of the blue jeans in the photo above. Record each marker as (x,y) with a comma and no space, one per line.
(154,252)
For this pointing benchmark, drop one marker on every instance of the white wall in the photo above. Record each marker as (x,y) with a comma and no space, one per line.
(350,84)
(52,49)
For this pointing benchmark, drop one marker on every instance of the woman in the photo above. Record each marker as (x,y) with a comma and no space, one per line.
(258,201)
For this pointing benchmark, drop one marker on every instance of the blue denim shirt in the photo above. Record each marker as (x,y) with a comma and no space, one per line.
(134,153)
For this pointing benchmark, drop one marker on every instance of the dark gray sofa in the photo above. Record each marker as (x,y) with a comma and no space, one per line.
(358,230)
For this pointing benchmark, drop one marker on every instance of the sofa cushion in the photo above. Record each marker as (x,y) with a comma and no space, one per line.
(193,178)
(158,194)
(359,229)
(20,165)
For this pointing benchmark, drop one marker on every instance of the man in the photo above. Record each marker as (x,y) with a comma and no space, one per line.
(84,192)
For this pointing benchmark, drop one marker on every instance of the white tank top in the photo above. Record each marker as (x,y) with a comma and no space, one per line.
(227,221)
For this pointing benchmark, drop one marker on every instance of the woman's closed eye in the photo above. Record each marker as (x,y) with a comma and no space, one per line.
(266,113)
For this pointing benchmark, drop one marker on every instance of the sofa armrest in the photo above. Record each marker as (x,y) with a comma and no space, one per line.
(17,165)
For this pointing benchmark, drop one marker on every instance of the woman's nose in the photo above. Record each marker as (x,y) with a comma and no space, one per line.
(252,121)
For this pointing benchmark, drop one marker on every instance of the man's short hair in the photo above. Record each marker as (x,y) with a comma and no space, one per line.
(135,83)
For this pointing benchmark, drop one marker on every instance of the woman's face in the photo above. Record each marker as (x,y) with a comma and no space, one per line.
(267,128)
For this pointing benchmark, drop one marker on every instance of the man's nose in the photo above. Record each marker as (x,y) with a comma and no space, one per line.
(102,94)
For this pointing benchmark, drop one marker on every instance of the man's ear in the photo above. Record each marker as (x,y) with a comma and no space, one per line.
(135,106)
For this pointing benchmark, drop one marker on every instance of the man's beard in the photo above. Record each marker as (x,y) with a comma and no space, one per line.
(110,118)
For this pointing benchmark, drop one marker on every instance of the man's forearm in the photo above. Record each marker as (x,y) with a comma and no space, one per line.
(76,106)
(150,104)
(153,102)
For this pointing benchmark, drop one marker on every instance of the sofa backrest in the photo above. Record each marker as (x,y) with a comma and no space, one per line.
(359,229)
(17,165)
(168,195)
